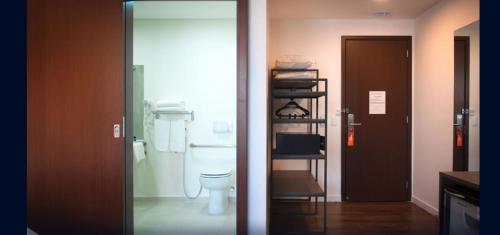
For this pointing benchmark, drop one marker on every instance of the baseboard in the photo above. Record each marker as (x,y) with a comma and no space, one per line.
(424,205)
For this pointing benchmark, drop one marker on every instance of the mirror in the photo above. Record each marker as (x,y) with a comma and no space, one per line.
(466,98)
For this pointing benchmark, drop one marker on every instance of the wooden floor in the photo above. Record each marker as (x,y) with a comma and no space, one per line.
(349,218)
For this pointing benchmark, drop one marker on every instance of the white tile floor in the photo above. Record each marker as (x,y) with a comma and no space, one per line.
(181,216)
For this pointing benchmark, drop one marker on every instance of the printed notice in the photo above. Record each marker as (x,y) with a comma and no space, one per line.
(377,102)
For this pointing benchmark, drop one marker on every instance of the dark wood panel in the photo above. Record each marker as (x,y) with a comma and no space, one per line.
(467,178)
(461,102)
(295,184)
(348,218)
(242,118)
(377,167)
(75,95)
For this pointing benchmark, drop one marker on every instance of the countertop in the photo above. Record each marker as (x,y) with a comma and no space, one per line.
(468,178)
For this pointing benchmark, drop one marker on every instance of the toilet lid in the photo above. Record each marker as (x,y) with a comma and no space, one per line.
(216,172)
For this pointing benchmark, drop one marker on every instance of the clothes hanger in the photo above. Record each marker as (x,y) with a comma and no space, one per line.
(292,104)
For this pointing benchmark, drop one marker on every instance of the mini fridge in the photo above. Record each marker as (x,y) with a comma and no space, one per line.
(461,213)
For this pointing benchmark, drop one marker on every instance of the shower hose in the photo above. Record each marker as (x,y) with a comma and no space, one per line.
(184,179)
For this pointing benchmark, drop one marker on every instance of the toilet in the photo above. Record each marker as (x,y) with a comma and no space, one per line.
(217,182)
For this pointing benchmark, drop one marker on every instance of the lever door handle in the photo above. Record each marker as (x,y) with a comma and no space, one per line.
(350,120)
(460,120)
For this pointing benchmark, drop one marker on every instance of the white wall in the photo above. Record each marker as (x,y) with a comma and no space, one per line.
(320,40)
(433,86)
(472,31)
(192,60)
(257,118)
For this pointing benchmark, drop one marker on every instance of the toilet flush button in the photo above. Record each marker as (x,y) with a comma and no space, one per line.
(116,128)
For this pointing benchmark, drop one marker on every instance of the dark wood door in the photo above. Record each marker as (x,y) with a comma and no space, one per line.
(376,101)
(75,97)
(461,105)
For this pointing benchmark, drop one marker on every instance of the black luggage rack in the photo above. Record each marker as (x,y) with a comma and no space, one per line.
(293,188)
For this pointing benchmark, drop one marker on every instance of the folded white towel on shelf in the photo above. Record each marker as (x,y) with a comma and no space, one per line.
(139,152)
(304,74)
(161,134)
(177,136)
(293,62)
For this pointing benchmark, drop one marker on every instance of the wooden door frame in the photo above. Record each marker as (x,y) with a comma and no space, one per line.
(241,123)
(466,40)
(343,104)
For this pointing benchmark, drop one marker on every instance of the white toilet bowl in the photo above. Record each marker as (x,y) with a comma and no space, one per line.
(217,183)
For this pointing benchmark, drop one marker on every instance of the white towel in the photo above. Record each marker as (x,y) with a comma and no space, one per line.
(139,153)
(178,136)
(293,62)
(170,109)
(167,103)
(162,134)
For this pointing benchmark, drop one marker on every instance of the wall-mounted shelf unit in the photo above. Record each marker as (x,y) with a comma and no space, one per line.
(298,187)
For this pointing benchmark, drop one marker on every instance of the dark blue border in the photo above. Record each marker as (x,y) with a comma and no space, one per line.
(489,124)
(13,125)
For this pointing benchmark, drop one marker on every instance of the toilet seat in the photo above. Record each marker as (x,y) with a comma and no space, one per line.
(216,173)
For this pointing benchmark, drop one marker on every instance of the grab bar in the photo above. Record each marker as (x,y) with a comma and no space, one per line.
(212,145)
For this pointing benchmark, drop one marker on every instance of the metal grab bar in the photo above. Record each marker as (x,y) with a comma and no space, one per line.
(212,145)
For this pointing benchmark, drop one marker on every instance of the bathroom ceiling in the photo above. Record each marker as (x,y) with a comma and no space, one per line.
(185,10)
(347,9)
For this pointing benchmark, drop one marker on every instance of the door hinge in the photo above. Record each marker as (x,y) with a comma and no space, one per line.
(407,119)
(407,53)
(123,127)
(407,185)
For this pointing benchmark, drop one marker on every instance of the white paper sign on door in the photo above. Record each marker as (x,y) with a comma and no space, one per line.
(377,102)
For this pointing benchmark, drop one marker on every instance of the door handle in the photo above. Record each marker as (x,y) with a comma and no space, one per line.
(460,120)
(350,120)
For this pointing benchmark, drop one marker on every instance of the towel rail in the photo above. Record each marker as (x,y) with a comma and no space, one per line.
(212,145)
(157,113)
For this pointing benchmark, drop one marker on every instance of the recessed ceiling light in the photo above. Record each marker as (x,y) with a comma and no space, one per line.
(382,13)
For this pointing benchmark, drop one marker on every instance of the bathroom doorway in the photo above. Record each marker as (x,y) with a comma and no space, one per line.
(186,117)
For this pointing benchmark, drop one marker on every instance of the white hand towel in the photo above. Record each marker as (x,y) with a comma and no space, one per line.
(162,134)
(178,136)
(169,109)
(139,153)
(167,103)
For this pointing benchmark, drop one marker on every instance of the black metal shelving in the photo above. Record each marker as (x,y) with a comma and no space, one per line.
(295,187)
